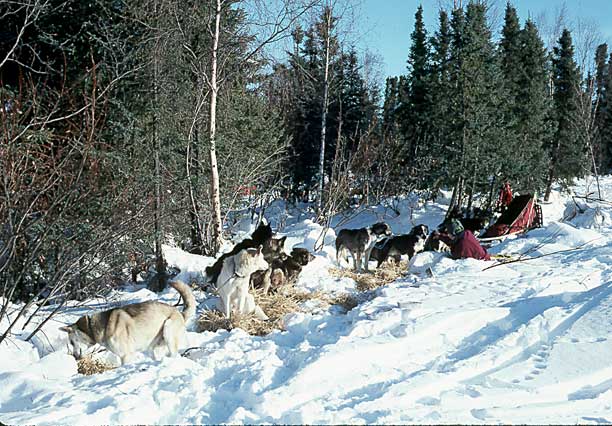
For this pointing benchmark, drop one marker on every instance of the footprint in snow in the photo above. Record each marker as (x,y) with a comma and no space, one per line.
(429,400)
(479,413)
(470,391)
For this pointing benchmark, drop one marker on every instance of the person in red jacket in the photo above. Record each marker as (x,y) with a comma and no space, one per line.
(463,243)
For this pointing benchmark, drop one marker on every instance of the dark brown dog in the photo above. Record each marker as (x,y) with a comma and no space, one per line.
(282,270)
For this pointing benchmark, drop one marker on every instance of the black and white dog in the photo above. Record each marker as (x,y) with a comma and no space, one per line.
(409,244)
(434,243)
(360,242)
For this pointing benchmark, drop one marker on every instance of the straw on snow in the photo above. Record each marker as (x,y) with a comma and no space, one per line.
(89,365)
(387,273)
(285,300)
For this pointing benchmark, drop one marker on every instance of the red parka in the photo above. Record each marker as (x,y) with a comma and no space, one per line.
(465,245)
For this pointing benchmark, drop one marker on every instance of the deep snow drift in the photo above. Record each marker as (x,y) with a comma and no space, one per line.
(525,342)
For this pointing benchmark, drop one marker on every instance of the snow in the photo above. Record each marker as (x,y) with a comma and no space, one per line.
(450,342)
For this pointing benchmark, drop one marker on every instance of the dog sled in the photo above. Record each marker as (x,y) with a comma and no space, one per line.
(521,215)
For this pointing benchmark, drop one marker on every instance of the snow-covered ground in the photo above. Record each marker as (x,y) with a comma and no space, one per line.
(525,342)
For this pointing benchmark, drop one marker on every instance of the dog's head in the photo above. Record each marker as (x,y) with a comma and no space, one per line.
(262,233)
(277,278)
(421,231)
(274,246)
(252,259)
(302,256)
(80,336)
(380,229)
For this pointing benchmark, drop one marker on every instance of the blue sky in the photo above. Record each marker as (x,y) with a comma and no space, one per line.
(387,24)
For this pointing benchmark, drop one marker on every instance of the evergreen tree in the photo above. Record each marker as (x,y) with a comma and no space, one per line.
(510,51)
(525,103)
(477,125)
(440,114)
(567,155)
(390,107)
(485,128)
(416,106)
(605,126)
(532,112)
(602,106)
(454,146)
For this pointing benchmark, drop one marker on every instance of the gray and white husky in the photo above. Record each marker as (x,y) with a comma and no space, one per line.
(233,283)
(138,327)
(359,243)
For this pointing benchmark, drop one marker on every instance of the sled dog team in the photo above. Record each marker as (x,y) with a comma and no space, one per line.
(259,261)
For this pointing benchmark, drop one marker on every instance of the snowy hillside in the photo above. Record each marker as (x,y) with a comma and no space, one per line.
(527,342)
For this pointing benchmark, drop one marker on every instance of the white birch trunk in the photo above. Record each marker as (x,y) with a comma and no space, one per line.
(214,180)
(324,111)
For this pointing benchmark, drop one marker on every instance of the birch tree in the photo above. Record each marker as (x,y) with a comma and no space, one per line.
(274,20)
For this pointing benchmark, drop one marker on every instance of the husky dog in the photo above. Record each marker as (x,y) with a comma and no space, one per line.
(360,242)
(435,243)
(284,268)
(134,328)
(274,253)
(273,249)
(395,247)
(260,236)
(233,283)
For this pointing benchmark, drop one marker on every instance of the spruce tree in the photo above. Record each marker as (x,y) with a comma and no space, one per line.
(440,100)
(510,50)
(606,123)
(485,130)
(601,105)
(390,107)
(567,155)
(475,103)
(454,146)
(532,112)
(415,109)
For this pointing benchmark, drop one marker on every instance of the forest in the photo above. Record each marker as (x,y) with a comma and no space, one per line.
(127,125)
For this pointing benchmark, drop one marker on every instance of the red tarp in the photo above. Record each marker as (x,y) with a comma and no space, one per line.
(518,217)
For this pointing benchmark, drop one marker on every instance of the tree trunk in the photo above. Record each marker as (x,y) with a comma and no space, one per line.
(192,162)
(551,170)
(324,111)
(214,170)
(456,197)
(160,264)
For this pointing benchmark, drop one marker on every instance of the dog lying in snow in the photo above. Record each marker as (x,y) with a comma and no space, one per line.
(283,269)
(434,243)
(409,244)
(233,283)
(360,242)
(133,328)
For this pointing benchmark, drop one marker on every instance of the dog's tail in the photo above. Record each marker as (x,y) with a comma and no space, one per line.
(187,295)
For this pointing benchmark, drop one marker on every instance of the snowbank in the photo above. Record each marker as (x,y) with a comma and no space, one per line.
(526,342)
